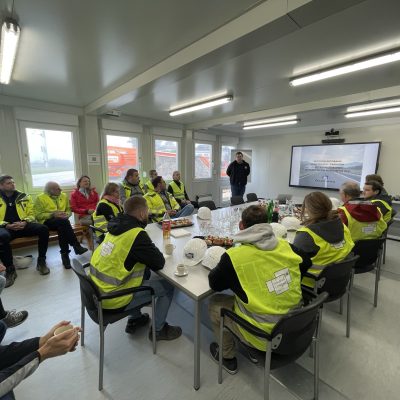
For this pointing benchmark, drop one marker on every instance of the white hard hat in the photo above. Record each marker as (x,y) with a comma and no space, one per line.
(22,262)
(194,251)
(279,230)
(212,256)
(291,223)
(204,213)
(335,202)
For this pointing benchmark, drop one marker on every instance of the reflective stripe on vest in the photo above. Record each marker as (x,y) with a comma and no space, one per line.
(179,192)
(108,270)
(364,230)
(271,281)
(387,216)
(100,221)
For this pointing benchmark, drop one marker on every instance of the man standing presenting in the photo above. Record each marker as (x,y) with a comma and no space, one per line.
(238,171)
(17,220)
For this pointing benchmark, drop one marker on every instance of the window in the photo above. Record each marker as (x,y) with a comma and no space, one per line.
(225,159)
(51,156)
(122,154)
(202,161)
(166,157)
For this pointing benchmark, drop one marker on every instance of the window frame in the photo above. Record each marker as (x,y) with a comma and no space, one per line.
(169,139)
(211,178)
(25,158)
(110,132)
(223,178)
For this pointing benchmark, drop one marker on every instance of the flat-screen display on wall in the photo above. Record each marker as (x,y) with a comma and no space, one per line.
(328,166)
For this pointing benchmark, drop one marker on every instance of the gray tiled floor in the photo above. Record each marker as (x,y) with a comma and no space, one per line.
(366,366)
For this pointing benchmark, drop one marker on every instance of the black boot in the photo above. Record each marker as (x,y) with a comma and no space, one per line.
(41,266)
(65,260)
(79,249)
(11,276)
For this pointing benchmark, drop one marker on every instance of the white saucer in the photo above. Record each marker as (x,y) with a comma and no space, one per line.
(176,274)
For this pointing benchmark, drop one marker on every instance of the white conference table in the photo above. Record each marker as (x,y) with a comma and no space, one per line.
(195,284)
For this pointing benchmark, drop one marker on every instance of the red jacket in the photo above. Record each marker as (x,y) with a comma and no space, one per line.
(80,204)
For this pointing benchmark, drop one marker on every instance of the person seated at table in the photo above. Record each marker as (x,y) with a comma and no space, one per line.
(52,209)
(131,185)
(372,191)
(363,218)
(384,195)
(323,237)
(84,200)
(120,262)
(17,219)
(18,360)
(148,183)
(253,271)
(177,189)
(160,202)
(109,207)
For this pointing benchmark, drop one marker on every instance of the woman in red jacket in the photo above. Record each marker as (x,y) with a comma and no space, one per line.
(84,200)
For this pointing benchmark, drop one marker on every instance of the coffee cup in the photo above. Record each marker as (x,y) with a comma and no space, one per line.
(180,269)
(62,329)
(169,248)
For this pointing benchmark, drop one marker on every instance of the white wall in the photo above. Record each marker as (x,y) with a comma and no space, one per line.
(271,158)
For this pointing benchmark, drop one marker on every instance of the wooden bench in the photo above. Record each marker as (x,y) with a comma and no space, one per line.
(80,231)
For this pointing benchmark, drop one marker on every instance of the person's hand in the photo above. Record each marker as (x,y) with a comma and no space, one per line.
(50,333)
(20,225)
(60,344)
(171,212)
(13,227)
(90,212)
(60,214)
(2,267)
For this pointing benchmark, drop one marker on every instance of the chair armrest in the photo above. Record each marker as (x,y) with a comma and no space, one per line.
(95,229)
(310,275)
(124,292)
(245,324)
(308,294)
(86,265)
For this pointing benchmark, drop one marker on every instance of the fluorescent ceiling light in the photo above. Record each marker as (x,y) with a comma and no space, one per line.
(374,105)
(271,120)
(373,112)
(10,32)
(271,125)
(200,106)
(346,69)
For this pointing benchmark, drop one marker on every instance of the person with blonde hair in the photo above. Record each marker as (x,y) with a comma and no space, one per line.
(323,236)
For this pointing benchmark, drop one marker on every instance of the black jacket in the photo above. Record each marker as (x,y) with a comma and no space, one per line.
(238,173)
(143,249)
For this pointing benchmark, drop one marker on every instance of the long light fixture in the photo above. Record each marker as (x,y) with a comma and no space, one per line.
(201,105)
(348,68)
(375,105)
(271,122)
(10,32)
(373,112)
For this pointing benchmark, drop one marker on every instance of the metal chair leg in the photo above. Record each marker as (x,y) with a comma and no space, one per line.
(349,305)
(101,361)
(82,324)
(316,355)
(221,338)
(377,273)
(267,370)
(384,252)
(153,324)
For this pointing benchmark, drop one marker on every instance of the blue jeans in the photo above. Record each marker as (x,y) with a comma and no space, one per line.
(185,211)
(164,293)
(238,190)
(2,281)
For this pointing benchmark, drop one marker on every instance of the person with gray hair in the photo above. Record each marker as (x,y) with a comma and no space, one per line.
(363,218)
(52,209)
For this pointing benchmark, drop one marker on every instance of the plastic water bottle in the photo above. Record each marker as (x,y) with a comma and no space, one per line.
(166,226)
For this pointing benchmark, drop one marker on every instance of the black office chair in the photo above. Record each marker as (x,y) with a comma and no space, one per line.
(98,238)
(251,197)
(384,235)
(370,252)
(289,339)
(236,200)
(208,203)
(91,299)
(336,279)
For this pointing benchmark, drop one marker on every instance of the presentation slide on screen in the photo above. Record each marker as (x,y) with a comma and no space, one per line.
(329,166)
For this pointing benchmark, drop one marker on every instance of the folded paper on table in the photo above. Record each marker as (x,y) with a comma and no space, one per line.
(177,233)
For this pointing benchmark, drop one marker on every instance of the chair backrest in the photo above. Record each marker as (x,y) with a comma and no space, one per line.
(89,292)
(251,197)
(203,197)
(369,251)
(236,200)
(293,334)
(334,278)
(208,203)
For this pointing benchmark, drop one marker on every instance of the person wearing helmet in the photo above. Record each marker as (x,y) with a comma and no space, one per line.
(120,261)
(17,219)
(372,192)
(264,274)
(161,202)
(323,236)
(363,218)
(177,189)
(131,185)
(238,171)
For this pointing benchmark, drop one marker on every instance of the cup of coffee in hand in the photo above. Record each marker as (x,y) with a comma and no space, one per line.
(169,248)
(62,329)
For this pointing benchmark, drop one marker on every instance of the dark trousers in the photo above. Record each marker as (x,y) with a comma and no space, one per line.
(31,229)
(66,235)
(237,190)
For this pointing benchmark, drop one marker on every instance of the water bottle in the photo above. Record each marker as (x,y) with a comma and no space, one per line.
(166,226)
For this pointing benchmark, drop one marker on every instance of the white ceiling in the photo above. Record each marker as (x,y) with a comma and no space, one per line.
(144,57)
